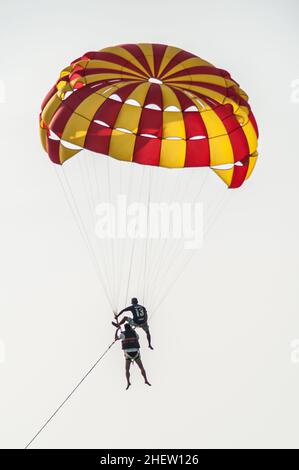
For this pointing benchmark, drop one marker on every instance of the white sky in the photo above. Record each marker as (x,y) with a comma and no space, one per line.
(221,371)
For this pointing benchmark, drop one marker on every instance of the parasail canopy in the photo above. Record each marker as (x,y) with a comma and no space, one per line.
(151,104)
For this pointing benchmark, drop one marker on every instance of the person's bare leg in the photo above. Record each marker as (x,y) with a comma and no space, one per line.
(140,365)
(128,365)
(149,339)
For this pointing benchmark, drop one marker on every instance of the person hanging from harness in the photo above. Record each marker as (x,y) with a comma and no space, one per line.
(139,319)
(131,347)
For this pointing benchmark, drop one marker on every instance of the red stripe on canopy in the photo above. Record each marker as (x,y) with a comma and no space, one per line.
(177,59)
(197,153)
(158,51)
(147,151)
(135,50)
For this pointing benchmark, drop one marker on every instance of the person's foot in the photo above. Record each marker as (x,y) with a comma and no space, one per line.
(129,385)
(150,346)
(147,383)
(115,324)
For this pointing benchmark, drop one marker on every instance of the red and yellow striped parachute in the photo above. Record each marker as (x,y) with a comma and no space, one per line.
(151,104)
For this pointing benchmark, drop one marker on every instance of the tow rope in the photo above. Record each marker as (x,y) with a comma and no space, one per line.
(69,395)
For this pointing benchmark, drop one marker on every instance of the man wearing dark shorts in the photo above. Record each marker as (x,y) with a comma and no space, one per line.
(139,319)
(131,348)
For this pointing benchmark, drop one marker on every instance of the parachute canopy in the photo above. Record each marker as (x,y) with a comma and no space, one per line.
(151,104)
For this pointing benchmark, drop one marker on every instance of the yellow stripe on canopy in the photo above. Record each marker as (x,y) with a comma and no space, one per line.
(169,54)
(50,108)
(122,145)
(251,137)
(225,175)
(173,153)
(147,50)
(128,117)
(140,92)
(65,153)
(173,125)
(169,97)
(75,130)
(221,151)
(120,51)
(88,107)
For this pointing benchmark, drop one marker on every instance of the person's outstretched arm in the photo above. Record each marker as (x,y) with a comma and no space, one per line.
(127,309)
